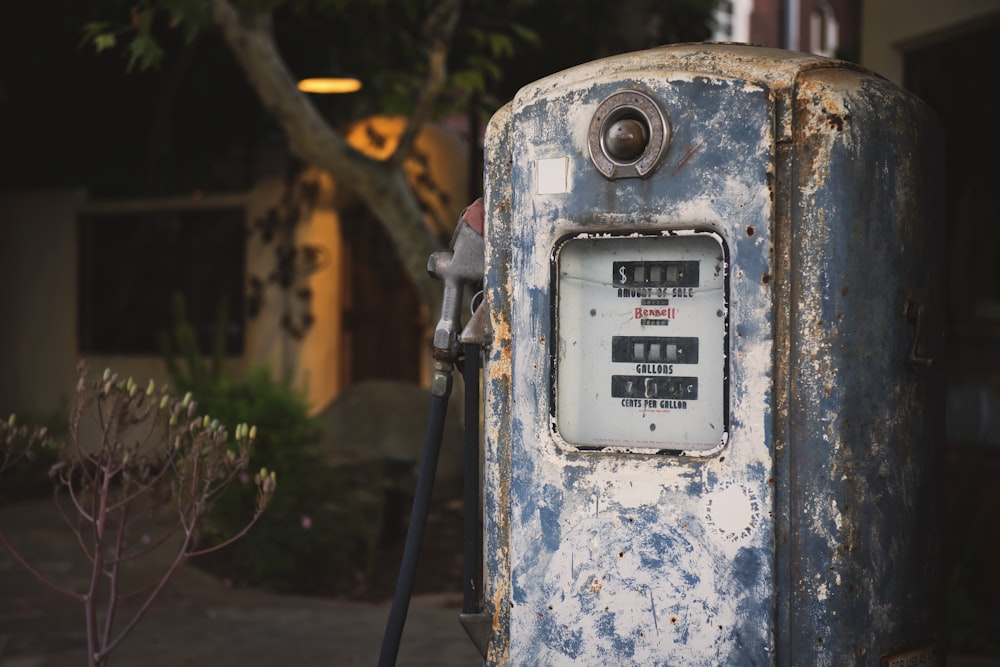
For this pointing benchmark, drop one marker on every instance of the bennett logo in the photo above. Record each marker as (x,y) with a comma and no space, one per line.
(664,313)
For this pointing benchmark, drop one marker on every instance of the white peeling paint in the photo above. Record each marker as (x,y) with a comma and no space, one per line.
(733,511)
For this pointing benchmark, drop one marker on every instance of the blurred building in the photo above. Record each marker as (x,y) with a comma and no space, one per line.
(825,27)
(300,273)
(56,244)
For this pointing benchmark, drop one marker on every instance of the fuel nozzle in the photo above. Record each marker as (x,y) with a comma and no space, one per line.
(462,264)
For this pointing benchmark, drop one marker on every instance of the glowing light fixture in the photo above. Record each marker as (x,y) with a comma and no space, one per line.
(325,85)
(332,79)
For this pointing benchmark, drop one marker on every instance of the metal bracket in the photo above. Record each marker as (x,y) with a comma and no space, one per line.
(479,329)
(479,628)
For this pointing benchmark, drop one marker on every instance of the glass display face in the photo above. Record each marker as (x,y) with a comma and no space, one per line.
(641,330)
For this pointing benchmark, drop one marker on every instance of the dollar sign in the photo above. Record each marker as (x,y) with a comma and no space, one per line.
(621,272)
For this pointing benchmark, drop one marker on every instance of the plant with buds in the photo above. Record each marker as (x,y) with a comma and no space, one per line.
(152,455)
(19,441)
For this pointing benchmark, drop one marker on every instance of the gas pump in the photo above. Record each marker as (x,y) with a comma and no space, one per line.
(712,326)
(712,409)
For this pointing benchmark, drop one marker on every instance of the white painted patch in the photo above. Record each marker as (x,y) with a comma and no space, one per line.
(553,176)
(733,511)
(822,593)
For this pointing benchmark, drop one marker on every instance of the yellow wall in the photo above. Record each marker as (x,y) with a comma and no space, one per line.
(314,360)
(37,299)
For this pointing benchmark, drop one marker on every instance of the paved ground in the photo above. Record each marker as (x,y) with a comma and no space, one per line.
(198,621)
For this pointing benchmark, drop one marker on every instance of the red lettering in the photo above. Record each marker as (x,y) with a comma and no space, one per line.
(666,313)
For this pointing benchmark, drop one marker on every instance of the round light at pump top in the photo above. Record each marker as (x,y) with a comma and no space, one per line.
(626,139)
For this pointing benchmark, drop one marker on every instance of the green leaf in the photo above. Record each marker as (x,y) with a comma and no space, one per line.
(91,28)
(526,35)
(501,45)
(486,67)
(477,35)
(91,31)
(145,21)
(145,52)
(105,41)
(469,80)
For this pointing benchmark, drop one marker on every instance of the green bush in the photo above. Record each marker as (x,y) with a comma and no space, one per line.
(313,537)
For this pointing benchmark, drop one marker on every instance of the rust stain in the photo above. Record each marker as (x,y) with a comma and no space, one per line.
(498,651)
(500,367)
(836,121)
(689,152)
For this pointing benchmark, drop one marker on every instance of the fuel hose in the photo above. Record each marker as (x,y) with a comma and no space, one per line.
(415,531)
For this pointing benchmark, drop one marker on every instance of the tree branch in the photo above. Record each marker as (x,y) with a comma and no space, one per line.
(35,572)
(438,30)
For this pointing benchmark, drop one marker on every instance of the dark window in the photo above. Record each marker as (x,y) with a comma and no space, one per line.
(950,77)
(133,264)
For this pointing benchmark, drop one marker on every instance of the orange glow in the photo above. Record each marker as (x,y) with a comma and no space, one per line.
(327,85)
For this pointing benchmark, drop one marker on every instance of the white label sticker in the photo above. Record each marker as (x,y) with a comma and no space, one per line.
(552,176)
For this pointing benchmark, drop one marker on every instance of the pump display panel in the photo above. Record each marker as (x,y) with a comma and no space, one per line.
(641,341)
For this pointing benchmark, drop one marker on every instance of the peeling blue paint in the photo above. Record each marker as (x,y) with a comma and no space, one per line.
(567,641)
(694,487)
(747,567)
(549,514)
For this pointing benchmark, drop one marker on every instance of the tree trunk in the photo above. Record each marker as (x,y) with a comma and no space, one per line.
(383,186)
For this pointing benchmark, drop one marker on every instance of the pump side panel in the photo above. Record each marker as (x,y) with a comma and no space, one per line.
(629,558)
(497,387)
(865,421)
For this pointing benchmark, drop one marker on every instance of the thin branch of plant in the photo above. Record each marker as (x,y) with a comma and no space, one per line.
(138,474)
